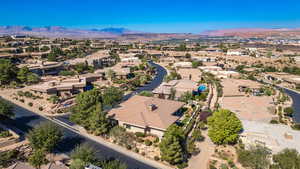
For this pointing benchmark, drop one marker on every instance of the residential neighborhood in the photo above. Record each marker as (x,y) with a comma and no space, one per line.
(79,97)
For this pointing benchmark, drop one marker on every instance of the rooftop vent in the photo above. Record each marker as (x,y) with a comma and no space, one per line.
(152,107)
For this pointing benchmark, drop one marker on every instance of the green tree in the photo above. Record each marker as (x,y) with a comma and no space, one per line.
(224,127)
(22,74)
(45,136)
(112,96)
(6,109)
(38,158)
(85,103)
(8,71)
(286,159)
(25,76)
(289,111)
(182,47)
(196,64)
(146,93)
(77,164)
(171,145)
(32,78)
(80,67)
(52,57)
(256,157)
(82,155)
(113,164)
(98,122)
(45,49)
(110,74)
(172,94)
(186,96)
(143,79)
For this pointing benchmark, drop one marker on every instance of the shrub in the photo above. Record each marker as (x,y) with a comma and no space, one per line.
(156,158)
(22,100)
(148,142)
(156,140)
(139,140)
(296,126)
(136,150)
(41,108)
(4,134)
(7,158)
(30,104)
(224,166)
(289,111)
(128,147)
(67,73)
(231,163)
(143,153)
(140,134)
(211,166)
(254,157)
(197,135)
(274,122)
(182,165)
(202,126)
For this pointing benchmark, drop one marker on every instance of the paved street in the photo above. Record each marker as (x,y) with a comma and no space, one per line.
(25,120)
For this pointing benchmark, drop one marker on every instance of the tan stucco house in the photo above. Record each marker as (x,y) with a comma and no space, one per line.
(147,114)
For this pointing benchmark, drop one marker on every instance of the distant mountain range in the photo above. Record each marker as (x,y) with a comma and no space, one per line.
(126,34)
(253,32)
(59,31)
(106,33)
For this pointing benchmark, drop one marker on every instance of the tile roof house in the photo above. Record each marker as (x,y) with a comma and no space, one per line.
(147,114)
(180,86)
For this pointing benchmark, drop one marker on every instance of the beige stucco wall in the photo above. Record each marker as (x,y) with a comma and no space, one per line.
(156,132)
(134,129)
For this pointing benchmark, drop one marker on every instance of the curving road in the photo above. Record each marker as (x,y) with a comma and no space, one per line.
(296,103)
(25,120)
(161,73)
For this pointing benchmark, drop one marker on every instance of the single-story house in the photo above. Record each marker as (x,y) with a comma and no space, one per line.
(179,86)
(147,114)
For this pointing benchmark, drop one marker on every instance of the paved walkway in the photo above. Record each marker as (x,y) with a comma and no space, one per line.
(207,149)
(214,99)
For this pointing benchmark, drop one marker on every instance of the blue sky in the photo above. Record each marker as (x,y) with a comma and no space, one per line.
(153,15)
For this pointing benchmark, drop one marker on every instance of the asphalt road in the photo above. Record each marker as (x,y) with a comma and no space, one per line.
(158,79)
(296,103)
(161,73)
(25,120)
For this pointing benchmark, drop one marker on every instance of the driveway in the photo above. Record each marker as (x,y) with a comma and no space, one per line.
(207,149)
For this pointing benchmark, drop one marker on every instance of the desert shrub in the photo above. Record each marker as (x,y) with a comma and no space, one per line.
(224,166)
(30,104)
(156,140)
(156,158)
(231,163)
(296,126)
(274,122)
(140,134)
(128,147)
(211,166)
(4,134)
(148,142)
(257,157)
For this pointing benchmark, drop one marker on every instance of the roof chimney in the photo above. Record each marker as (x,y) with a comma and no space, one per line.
(151,107)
